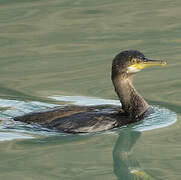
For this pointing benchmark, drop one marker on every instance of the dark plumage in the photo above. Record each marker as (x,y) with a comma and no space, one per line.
(79,119)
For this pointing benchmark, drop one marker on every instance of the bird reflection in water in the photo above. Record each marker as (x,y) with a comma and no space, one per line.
(125,167)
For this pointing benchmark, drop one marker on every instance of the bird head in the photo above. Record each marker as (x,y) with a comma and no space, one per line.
(130,62)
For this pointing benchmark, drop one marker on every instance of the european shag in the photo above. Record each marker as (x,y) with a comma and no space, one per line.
(82,119)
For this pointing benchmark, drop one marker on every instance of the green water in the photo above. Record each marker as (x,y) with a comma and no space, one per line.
(66,48)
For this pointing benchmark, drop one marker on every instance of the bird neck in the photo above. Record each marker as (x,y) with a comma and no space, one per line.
(132,103)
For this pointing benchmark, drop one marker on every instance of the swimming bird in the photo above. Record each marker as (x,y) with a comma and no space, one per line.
(83,119)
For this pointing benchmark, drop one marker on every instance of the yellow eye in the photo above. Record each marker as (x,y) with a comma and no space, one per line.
(134,61)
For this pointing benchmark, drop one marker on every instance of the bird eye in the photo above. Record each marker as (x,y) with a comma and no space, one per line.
(134,61)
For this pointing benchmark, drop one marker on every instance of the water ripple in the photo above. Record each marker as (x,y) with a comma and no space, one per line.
(10,129)
(161,117)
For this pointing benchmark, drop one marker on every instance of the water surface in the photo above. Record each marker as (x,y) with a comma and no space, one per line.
(53,48)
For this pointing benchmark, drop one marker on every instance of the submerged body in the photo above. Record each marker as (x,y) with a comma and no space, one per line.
(81,119)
